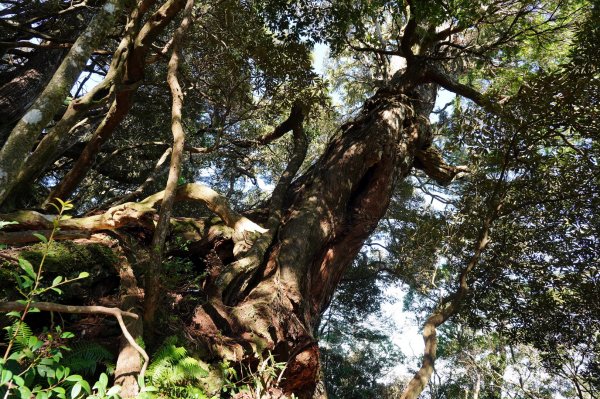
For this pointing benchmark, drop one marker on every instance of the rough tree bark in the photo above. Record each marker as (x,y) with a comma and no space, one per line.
(276,302)
(20,88)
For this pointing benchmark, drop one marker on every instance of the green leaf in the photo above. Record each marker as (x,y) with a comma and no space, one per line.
(18,355)
(5,376)
(86,386)
(64,205)
(25,265)
(55,207)
(24,392)
(32,341)
(76,390)
(41,237)
(83,275)
(24,281)
(14,313)
(19,381)
(57,280)
(103,380)
(74,378)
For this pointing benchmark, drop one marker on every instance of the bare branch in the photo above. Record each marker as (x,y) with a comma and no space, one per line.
(115,312)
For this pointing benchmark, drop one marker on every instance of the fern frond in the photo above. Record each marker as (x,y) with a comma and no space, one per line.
(85,356)
(172,371)
(192,368)
(170,350)
(20,332)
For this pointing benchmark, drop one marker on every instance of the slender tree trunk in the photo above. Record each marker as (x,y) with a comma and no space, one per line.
(153,277)
(477,386)
(129,361)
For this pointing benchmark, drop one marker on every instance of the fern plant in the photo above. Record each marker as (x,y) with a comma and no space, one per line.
(174,374)
(84,357)
(20,333)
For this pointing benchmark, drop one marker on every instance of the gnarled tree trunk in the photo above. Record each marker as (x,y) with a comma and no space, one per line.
(330,211)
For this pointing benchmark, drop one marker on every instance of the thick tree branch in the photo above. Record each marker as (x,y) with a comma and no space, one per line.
(408,35)
(369,49)
(430,161)
(134,212)
(153,275)
(450,84)
(130,80)
(298,156)
(296,117)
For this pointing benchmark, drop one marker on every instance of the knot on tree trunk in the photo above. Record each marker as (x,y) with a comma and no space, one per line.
(430,161)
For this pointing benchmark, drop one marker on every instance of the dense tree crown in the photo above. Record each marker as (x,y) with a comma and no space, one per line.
(211,217)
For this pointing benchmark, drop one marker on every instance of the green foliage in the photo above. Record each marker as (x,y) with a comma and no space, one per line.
(34,365)
(85,356)
(174,374)
(253,382)
(357,352)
